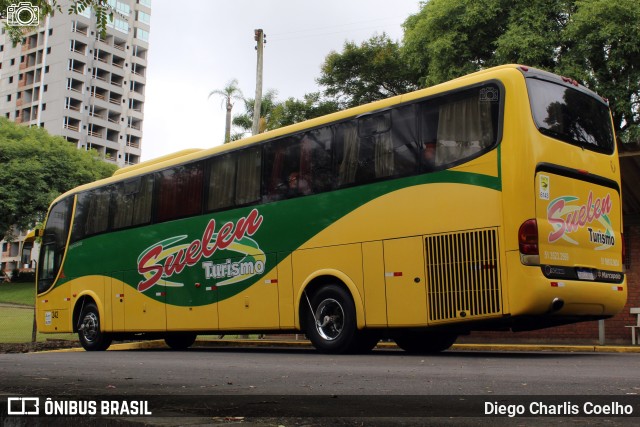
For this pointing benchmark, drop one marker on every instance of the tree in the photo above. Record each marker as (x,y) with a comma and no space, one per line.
(229,93)
(36,168)
(594,41)
(369,72)
(603,52)
(101,8)
(297,110)
(245,121)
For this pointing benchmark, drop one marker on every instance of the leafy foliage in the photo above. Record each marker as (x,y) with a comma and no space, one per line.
(36,168)
(369,72)
(594,41)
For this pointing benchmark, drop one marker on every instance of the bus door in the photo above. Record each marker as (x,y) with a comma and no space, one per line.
(405,282)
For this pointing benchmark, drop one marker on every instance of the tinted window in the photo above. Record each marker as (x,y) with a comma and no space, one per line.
(179,192)
(133,202)
(234,179)
(92,213)
(459,126)
(570,115)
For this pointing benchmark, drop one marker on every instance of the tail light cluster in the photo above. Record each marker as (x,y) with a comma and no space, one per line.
(528,242)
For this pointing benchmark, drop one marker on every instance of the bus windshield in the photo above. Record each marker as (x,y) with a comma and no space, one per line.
(54,242)
(571,115)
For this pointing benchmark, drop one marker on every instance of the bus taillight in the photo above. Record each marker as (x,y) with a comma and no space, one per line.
(528,242)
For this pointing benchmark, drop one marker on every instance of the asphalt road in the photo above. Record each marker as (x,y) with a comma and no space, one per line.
(303,373)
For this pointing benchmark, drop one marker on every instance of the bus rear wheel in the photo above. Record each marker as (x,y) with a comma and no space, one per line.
(331,321)
(180,341)
(422,342)
(89,334)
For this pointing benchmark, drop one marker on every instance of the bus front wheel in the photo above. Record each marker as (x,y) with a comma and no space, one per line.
(423,342)
(89,333)
(331,321)
(180,341)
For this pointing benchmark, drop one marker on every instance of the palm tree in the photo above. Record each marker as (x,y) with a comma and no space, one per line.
(229,93)
(267,109)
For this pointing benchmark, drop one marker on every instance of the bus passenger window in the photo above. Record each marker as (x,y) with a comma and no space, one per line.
(406,148)
(132,202)
(375,157)
(92,213)
(179,192)
(316,172)
(221,182)
(466,124)
(346,151)
(248,176)
(282,168)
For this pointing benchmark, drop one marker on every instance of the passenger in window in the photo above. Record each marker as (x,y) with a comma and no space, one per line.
(428,156)
(297,185)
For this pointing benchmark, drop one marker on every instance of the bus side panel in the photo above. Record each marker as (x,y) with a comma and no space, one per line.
(285,292)
(53,311)
(144,314)
(374,287)
(254,308)
(404,276)
(114,303)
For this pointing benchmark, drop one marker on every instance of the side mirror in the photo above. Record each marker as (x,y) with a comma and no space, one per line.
(39,232)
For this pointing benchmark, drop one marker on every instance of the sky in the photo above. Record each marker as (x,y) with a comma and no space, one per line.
(197,46)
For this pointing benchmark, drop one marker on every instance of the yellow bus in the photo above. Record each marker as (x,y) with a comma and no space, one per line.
(489,202)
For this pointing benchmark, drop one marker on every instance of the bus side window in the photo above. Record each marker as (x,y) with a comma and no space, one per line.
(316,171)
(346,148)
(281,174)
(92,213)
(375,156)
(428,128)
(466,125)
(133,202)
(404,135)
(221,182)
(179,192)
(248,176)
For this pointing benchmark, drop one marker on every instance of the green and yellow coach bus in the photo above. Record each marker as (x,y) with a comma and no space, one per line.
(489,202)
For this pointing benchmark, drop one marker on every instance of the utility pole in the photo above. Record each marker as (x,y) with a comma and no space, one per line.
(259,37)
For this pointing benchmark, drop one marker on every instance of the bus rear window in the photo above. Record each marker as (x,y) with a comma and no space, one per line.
(570,115)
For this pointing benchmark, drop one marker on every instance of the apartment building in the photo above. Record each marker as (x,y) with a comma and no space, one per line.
(75,82)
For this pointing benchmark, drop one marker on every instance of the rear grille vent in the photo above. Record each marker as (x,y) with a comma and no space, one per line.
(463,271)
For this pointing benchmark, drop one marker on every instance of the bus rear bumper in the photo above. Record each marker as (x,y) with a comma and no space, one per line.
(530,293)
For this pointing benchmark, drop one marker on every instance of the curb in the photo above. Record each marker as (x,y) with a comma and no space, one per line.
(159,344)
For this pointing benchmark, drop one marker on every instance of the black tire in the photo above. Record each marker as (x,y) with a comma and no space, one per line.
(365,341)
(331,326)
(422,342)
(180,341)
(90,334)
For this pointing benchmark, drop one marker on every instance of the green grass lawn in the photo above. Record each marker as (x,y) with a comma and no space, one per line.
(16,323)
(18,293)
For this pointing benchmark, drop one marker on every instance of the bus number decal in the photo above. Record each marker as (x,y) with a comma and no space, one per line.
(166,258)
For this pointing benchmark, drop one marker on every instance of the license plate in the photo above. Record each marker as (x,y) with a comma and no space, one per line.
(586,275)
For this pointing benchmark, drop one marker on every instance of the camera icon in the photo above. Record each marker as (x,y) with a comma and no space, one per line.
(489,94)
(23,14)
